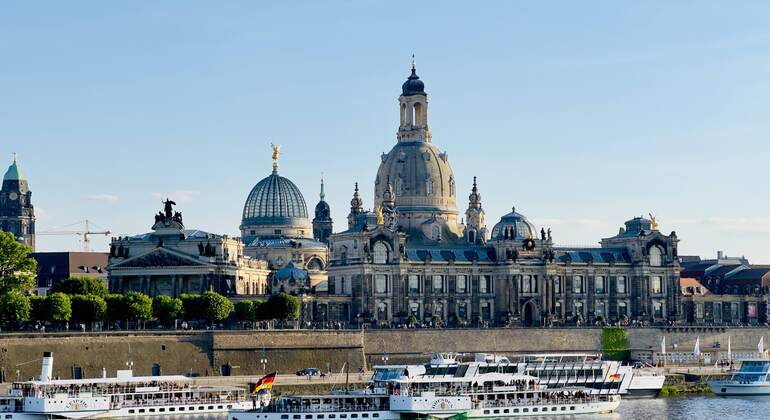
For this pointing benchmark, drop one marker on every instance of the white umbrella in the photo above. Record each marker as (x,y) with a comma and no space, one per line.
(696,350)
(761,345)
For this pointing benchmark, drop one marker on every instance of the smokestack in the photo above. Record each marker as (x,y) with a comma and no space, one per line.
(720,255)
(47,369)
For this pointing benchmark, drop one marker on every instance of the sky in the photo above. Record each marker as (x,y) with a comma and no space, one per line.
(581,114)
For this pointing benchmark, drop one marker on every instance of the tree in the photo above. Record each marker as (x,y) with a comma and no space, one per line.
(116,307)
(192,307)
(88,308)
(166,309)
(58,307)
(138,306)
(245,311)
(17,267)
(81,286)
(216,307)
(282,306)
(38,310)
(14,306)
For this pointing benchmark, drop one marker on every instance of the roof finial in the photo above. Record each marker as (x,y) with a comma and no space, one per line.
(414,63)
(322,187)
(276,152)
(14,157)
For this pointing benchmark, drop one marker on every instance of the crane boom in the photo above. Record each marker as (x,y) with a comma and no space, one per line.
(86,234)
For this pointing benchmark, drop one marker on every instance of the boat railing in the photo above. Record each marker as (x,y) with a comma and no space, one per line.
(277,408)
(544,401)
(174,401)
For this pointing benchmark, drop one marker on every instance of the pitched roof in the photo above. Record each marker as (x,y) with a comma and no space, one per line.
(688,286)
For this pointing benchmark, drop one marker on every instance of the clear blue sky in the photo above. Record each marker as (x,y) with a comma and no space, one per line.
(581,114)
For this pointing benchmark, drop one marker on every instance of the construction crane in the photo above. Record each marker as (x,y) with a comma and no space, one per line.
(86,233)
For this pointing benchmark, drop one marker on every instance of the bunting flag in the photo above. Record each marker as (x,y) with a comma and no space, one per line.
(696,350)
(761,345)
(662,350)
(264,384)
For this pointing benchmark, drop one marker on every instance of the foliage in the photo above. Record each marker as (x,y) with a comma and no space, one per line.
(281,306)
(411,320)
(192,307)
(88,308)
(216,307)
(81,286)
(245,310)
(166,309)
(17,267)
(615,343)
(58,307)
(138,306)
(14,306)
(38,311)
(116,307)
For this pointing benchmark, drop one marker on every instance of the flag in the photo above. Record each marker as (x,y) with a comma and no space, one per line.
(264,384)
(663,346)
(729,348)
(614,377)
(696,350)
(761,345)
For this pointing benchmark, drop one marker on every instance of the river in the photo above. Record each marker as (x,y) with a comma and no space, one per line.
(699,407)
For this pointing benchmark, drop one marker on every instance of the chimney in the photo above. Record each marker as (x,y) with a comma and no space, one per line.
(720,255)
(46,372)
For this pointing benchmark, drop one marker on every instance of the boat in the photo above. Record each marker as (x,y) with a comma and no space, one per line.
(122,396)
(442,388)
(750,379)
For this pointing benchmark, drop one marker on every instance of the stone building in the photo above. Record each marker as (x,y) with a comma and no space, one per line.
(276,227)
(172,260)
(17,214)
(411,256)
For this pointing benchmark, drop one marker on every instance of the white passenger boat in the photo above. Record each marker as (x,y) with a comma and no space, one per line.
(750,379)
(123,396)
(442,388)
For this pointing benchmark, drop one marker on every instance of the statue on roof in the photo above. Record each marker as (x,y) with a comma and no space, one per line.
(653,221)
(168,210)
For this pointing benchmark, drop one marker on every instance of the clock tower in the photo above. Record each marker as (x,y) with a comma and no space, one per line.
(17,215)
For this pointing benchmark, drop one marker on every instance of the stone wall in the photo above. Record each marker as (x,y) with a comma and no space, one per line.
(204,353)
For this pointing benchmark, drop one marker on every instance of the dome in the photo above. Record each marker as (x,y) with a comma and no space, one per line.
(14,173)
(322,210)
(275,208)
(413,85)
(521,227)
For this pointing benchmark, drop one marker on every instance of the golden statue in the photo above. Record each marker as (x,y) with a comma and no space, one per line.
(276,152)
(380,217)
(654,221)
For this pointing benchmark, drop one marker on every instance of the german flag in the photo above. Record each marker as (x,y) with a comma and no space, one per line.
(614,376)
(264,384)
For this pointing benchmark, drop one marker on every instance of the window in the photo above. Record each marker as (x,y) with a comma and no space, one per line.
(277,231)
(380,253)
(414,283)
(428,186)
(414,309)
(380,283)
(528,284)
(343,255)
(579,308)
(600,311)
(557,309)
(657,285)
(382,311)
(557,284)
(485,284)
(622,309)
(699,310)
(656,256)
(620,284)
(486,312)
(462,311)
(399,186)
(599,284)
(462,284)
(657,309)
(577,284)
(438,284)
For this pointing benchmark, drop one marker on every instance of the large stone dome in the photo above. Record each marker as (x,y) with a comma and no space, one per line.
(516,224)
(275,208)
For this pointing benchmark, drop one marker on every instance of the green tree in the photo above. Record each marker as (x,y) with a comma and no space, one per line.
(58,307)
(282,306)
(81,286)
(192,307)
(116,307)
(245,311)
(38,310)
(88,308)
(15,307)
(17,267)
(615,343)
(138,306)
(216,307)
(166,309)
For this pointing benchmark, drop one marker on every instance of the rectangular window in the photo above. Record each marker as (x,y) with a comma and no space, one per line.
(485,284)
(657,309)
(657,285)
(699,310)
(577,284)
(414,283)
(438,284)
(380,283)
(622,309)
(557,285)
(525,284)
(621,284)
(599,284)
(462,284)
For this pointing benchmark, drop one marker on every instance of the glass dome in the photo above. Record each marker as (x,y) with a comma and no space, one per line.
(275,200)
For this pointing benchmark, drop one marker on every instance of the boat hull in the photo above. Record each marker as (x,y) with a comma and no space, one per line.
(144,411)
(731,388)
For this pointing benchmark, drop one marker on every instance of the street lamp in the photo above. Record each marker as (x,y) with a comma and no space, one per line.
(264,364)
(385,358)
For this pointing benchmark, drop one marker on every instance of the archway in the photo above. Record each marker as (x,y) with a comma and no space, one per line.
(528,312)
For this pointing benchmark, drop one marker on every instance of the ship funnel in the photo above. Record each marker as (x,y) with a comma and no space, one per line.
(46,372)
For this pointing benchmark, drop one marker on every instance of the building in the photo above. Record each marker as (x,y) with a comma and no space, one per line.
(699,306)
(322,222)
(54,267)
(172,260)
(275,226)
(411,258)
(17,214)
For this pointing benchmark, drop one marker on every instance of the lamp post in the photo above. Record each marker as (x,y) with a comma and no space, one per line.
(385,358)
(263,360)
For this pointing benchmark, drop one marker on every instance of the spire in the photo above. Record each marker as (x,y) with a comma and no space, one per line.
(356,204)
(323,196)
(414,65)
(14,173)
(474,199)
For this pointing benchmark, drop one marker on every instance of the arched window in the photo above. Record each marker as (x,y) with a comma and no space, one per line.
(428,187)
(380,253)
(417,116)
(399,186)
(403,113)
(343,255)
(382,311)
(656,256)
(315,264)
(472,236)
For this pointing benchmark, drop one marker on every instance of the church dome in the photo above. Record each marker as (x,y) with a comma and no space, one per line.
(413,85)
(516,223)
(275,200)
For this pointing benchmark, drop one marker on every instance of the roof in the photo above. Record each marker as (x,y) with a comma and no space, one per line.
(275,200)
(688,287)
(592,255)
(14,172)
(290,272)
(721,270)
(285,243)
(456,254)
(748,274)
(188,233)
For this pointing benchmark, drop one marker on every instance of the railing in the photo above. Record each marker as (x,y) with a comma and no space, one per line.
(157,402)
(542,401)
(323,408)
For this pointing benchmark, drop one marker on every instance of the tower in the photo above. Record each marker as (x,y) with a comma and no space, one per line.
(475,229)
(322,222)
(17,215)
(356,207)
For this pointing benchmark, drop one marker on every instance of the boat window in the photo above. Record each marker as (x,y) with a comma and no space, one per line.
(563,408)
(572,408)
(364,415)
(331,416)
(211,407)
(129,412)
(496,412)
(376,415)
(515,410)
(162,410)
(525,410)
(354,416)
(296,416)
(343,416)
(534,410)
(506,411)
(320,416)
(141,410)
(219,407)
(284,416)
(309,416)
(172,409)
(152,410)
(553,408)
(486,411)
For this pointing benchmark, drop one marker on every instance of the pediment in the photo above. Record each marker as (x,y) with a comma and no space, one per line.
(159,257)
